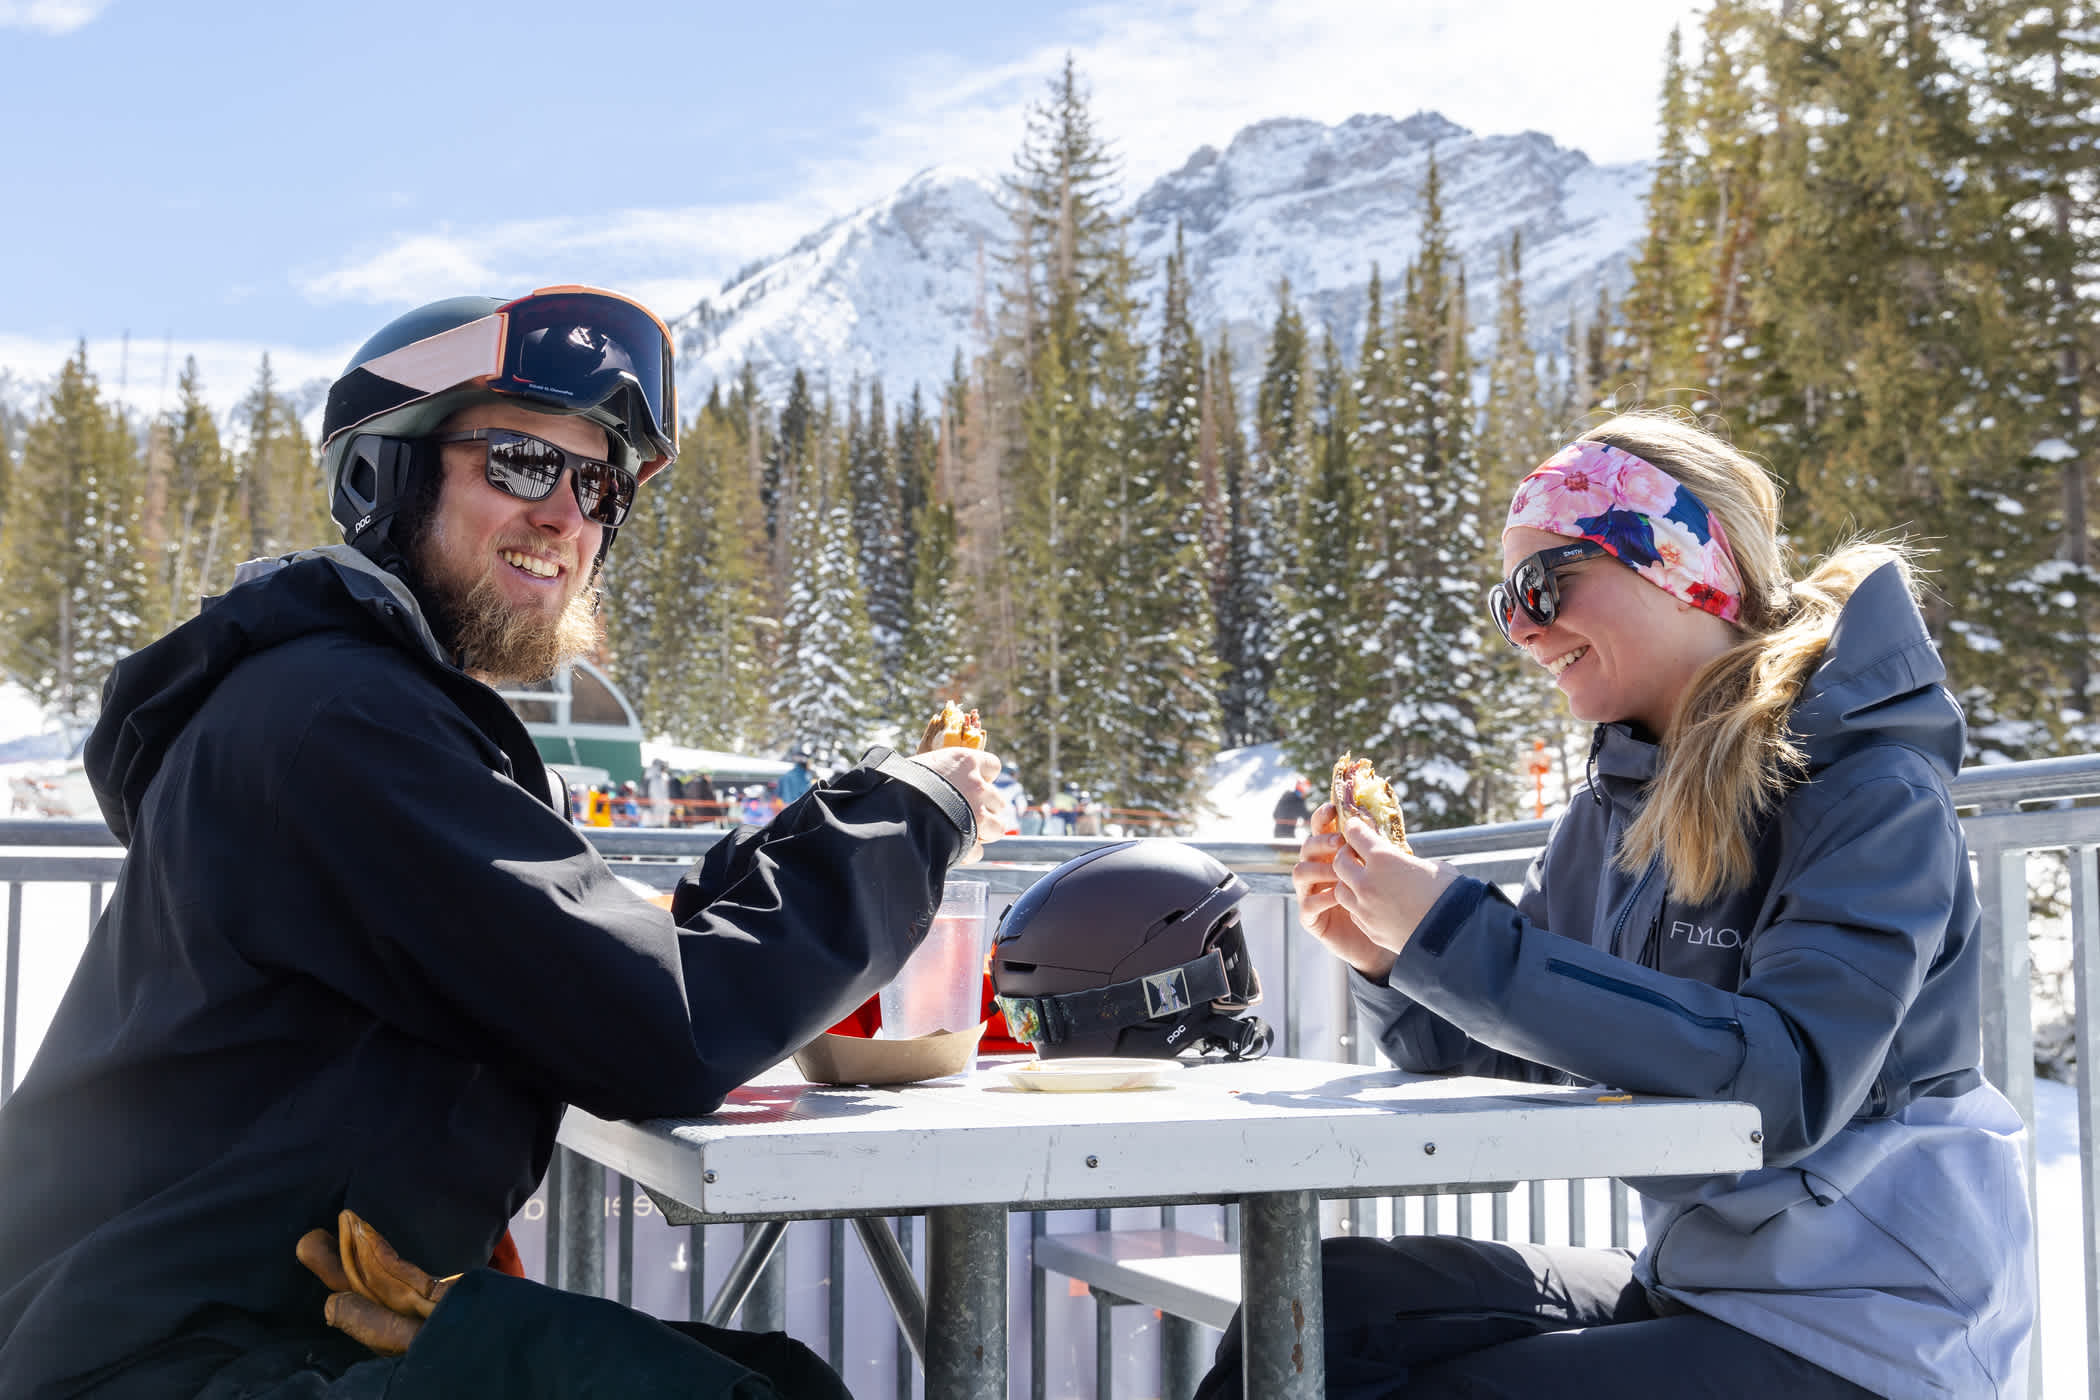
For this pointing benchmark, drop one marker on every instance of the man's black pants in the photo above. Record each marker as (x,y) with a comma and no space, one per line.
(501,1338)
(1439,1316)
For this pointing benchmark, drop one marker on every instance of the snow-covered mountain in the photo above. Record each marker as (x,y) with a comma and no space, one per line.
(896,288)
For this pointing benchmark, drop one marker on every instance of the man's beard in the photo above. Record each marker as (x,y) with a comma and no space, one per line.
(493,638)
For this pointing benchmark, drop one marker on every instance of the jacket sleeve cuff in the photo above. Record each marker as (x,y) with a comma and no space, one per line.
(1446,917)
(935,788)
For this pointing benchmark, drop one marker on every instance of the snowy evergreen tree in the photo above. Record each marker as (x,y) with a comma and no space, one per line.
(826,683)
(1516,706)
(934,653)
(2042,135)
(1067,374)
(1248,595)
(1326,692)
(73,585)
(1436,669)
(879,529)
(1283,456)
(1168,670)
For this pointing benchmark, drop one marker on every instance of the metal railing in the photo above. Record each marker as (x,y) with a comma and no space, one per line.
(2009,813)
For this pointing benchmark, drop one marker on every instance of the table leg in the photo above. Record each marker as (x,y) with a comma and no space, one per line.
(893,1273)
(760,1241)
(1283,1309)
(1184,1356)
(966,1303)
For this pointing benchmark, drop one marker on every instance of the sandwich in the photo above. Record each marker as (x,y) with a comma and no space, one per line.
(1358,788)
(952,728)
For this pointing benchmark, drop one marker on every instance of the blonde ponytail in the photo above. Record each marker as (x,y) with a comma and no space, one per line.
(1728,757)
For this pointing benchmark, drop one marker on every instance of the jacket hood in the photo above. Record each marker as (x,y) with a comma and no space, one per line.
(1880,678)
(1879,681)
(152,693)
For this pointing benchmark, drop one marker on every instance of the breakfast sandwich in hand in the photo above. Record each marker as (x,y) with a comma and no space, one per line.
(952,728)
(1358,788)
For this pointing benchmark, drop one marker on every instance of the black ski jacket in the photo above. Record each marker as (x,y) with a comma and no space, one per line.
(355,959)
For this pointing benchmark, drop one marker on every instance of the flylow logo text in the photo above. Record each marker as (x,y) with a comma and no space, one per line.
(1700,936)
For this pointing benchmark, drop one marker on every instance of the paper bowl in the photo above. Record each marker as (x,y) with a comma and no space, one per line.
(852,1059)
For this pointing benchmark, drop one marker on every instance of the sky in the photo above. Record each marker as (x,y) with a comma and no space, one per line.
(227,177)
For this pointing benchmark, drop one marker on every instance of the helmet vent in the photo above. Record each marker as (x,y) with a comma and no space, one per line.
(1012,966)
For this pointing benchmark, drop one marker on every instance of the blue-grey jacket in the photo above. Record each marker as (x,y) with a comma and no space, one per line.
(1887,1238)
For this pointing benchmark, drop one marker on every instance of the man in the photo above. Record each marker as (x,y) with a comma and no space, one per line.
(357,963)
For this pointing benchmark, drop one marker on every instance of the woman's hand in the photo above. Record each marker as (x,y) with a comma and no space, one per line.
(1319,909)
(1383,890)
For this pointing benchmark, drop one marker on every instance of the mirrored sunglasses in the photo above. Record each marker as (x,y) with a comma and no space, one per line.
(527,467)
(1533,587)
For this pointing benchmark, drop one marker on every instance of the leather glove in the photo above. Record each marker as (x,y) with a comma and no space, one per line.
(375,1295)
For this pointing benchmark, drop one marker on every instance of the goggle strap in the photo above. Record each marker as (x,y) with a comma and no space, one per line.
(1050,1020)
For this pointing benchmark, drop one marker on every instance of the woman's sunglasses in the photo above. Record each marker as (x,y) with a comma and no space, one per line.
(524,466)
(1533,587)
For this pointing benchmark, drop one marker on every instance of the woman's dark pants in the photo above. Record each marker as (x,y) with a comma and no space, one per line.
(1437,1316)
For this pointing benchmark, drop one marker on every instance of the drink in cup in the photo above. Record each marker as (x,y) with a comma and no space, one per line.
(940,987)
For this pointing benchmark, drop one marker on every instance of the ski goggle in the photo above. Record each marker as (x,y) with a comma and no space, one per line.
(1533,587)
(568,348)
(526,467)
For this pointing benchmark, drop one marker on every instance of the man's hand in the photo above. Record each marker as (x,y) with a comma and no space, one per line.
(970,772)
(375,1295)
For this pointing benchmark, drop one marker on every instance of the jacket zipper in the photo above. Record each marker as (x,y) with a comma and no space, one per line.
(1618,929)
(1653,998)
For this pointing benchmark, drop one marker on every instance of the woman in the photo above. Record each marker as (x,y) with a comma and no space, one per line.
(1763,895)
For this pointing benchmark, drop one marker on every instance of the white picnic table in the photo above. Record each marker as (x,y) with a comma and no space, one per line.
(1275,1135)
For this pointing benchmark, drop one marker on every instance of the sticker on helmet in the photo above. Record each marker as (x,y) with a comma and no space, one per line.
(1166,992)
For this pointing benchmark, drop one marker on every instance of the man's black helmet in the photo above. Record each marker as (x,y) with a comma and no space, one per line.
(1131,949)
(569,350)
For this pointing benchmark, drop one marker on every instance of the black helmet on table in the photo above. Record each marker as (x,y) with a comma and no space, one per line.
(569,350)
(1131,949)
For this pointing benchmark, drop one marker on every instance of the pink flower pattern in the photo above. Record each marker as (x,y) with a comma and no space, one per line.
(1589,490)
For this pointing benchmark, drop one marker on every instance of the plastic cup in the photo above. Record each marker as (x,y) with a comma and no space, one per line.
(941,986)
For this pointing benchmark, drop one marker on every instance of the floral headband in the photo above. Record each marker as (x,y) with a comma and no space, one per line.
(1644,517)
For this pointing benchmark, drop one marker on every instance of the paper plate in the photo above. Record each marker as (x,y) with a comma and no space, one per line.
(1086,1075)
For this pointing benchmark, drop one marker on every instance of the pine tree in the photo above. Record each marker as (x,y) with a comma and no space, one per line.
(205,513)
(1065,376)
(73,590)
(1660,306)
(1325,693)
(879,529)
(1881,294)
(934,652)
(2042,138)
(1168,669)
(1248,592)
(281,496)
(1516,706)
(827,672)
(1435,665)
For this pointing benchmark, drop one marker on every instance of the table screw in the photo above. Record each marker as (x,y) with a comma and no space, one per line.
(1756,1136)
(1429,1149)
(708,1177)
(1093,1161)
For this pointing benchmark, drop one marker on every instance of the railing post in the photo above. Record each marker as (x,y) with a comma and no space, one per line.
(2008,1015)
(2085,978)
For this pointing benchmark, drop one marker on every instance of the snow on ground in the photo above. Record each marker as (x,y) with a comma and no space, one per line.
(1243,785)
